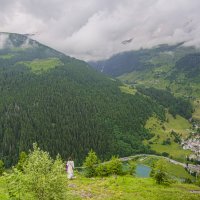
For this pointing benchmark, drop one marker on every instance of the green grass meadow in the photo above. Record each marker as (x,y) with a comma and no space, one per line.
(162,132)
(129,188)
(122,188)
(39,66)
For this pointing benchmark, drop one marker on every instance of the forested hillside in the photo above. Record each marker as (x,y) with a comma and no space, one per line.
(65,106)
(176,105)
(189,65)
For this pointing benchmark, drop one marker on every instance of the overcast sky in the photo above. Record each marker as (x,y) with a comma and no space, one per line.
(95,29)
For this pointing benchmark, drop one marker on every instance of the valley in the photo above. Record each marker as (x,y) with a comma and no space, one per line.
(143,117)
(99,100)
(166,71)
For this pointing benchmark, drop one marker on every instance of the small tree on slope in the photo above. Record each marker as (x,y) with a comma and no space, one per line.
(160,175)
(90,164)
(44,177)
(40,178)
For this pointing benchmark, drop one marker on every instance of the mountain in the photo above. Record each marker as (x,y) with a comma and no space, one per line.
(169,75)
(65,106)
(139,60)
(174,68)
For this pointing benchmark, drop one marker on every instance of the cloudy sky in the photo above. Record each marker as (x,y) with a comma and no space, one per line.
(96,29)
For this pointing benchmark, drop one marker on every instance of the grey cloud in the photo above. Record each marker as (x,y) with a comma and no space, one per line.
(94,29)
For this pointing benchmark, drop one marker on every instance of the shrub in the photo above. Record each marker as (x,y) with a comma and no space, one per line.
(44,177)
(114,166)
(132,167)
(102,170)
(22,160)
(188,181)
(14,184)
(166,142)
(165,154)
(40,178)
(198,182)
(1,167)
(160,174)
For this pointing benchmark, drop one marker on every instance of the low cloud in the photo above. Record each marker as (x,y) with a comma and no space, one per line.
(94,29)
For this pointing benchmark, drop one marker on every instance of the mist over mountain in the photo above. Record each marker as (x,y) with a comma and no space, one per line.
(143,59)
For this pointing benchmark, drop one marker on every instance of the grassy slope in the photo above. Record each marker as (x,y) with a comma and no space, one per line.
(122,187)
(127,89)
(157,78)
(3,191)
(162,130)
(150,78)
(129,188)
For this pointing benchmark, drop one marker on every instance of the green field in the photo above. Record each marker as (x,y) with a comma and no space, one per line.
(121,187)
(129,188)
(162,132)
(150,78)
(127,89)
(39,66)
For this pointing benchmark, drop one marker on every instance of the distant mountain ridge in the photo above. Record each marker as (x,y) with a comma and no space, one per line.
(174,67)
(143,59)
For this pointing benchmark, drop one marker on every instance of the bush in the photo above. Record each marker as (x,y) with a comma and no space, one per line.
(198,182)
(160,174)
(166,142)
(44,177)
(22,161)
(165,154)
(1,167)
(102,170)
(114,166)
(188,181)
(15,184)
(132,167)
(152,173)
(90,164)
(93,167)
(40,178)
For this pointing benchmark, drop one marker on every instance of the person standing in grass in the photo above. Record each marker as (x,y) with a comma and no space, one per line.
(70,168)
